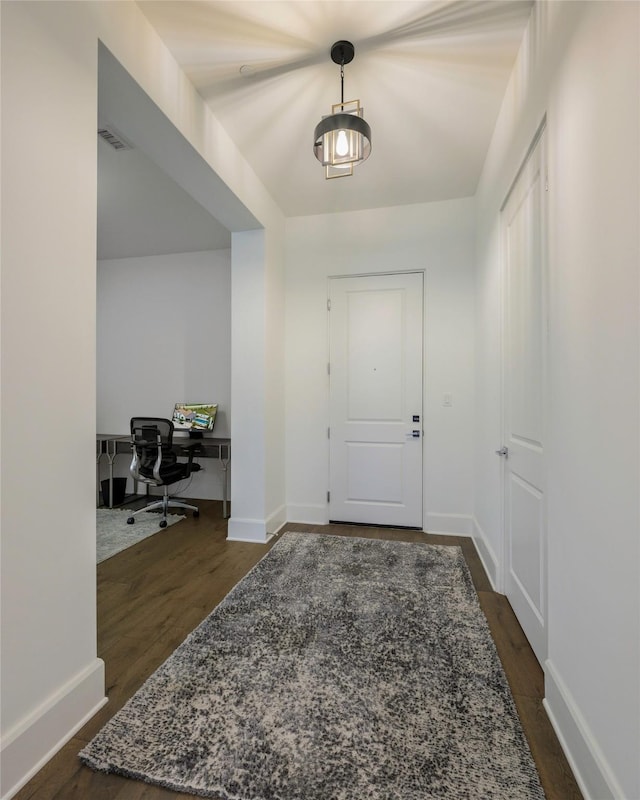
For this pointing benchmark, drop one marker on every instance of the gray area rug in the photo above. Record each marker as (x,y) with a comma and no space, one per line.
(114,535)
(337,669)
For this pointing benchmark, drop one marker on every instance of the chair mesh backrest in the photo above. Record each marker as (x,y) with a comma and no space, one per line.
(144,440)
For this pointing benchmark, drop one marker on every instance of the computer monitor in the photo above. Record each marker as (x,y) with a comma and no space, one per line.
(197,418)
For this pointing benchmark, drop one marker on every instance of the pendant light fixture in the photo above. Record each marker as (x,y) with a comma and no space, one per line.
(342,138)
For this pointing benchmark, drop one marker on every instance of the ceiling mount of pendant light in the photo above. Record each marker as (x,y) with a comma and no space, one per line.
(343,138)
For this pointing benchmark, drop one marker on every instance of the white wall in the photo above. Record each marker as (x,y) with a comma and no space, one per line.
(436,238)
(247,386)
(579,65)
(164,336)
(51,678)
(275,393)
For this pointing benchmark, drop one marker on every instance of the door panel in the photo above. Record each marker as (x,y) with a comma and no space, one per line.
(526,545)
(374,373)
(375,332)
(524,384)
(374,472)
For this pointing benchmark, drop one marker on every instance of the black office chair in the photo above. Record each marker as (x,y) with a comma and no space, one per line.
(155,463)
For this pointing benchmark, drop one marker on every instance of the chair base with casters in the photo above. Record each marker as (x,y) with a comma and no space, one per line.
(165,504)
(155,464)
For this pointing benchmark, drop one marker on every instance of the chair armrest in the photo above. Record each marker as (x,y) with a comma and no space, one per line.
(189,449)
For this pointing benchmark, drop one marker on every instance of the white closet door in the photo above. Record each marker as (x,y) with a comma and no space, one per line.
(525,561)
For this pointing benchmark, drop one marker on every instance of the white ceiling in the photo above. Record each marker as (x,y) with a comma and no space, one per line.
(143,212)
(430,74)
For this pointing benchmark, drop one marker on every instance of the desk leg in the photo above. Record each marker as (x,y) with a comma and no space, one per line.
(98,457)
(224,462)
(111,455)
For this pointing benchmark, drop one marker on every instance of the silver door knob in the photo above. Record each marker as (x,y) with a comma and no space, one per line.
(504,451)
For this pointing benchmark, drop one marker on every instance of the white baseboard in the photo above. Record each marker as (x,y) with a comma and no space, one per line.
(247,530)
(448,524)
(486,554)
(276,520)
(27,747)
(309,514)
(588,763)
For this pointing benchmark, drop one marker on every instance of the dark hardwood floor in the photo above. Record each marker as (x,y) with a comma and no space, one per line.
(153,594)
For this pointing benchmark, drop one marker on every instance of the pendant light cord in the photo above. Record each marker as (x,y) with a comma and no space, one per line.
(342,84)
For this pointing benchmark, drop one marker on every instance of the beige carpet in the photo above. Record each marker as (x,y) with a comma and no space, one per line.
(114,535)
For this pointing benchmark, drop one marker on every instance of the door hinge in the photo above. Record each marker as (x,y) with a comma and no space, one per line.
(328,368)
(328,304)
(328,497)
(328,433)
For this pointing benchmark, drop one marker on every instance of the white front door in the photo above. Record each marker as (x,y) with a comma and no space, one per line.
(375,449)
(525,557)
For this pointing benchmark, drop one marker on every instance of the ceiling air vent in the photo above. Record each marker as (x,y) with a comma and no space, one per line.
(116,141)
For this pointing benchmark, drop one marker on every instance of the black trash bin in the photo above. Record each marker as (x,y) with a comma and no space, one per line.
(119,491)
